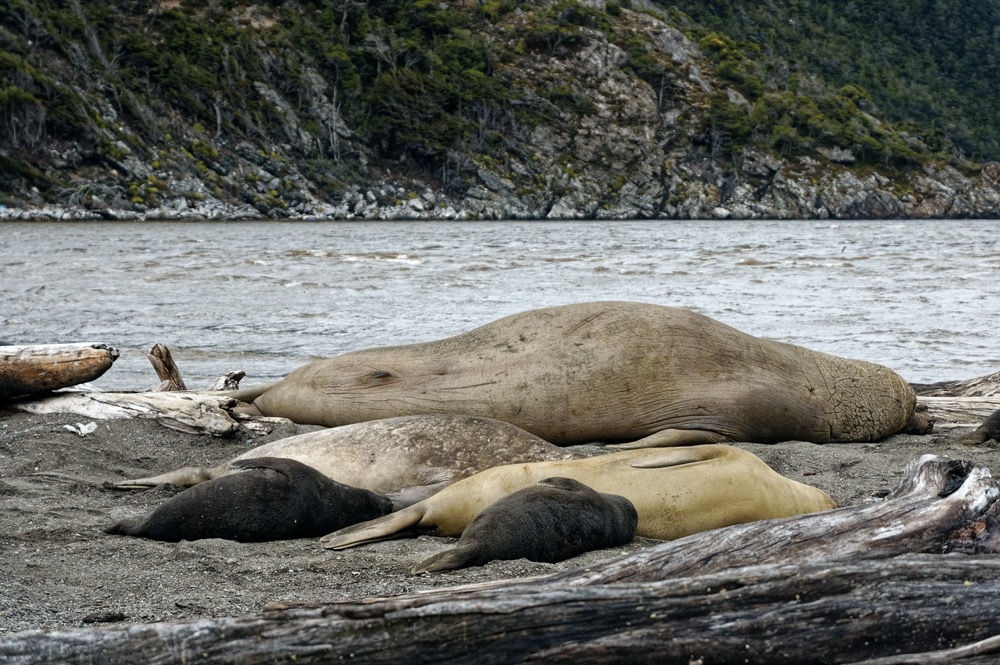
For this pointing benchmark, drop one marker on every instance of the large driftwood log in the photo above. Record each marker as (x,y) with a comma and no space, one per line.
(195,413)
(981,386)
(26,370)
(798,590)
(791,613)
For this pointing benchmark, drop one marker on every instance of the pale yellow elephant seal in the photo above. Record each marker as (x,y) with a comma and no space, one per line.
(606,371)
(675,492)
(417,452)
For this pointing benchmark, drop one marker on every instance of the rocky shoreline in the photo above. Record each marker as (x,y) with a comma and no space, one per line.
(768,188)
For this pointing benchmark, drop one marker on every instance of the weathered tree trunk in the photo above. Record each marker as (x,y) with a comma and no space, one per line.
(791,613)
(26,370)
(166,369)
(839,586)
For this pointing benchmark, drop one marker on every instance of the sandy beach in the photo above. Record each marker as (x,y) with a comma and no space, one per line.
(62,571)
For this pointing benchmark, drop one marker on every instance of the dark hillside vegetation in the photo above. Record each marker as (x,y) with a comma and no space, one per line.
(930,66)
(278,105)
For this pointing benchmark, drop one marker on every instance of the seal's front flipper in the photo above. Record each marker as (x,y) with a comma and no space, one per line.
(401,524)
(659,459)
(408,496)
(672,437)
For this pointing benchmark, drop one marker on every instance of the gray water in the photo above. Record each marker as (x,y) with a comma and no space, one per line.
(266,297)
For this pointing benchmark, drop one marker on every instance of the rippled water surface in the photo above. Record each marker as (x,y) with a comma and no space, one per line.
(265,297)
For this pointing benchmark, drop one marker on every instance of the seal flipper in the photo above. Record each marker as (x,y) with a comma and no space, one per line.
(286,467)
(401,524)
(665,458)
(130,526)
(672,437)
(457,557)
(408,496)
(183,477)
(990,429)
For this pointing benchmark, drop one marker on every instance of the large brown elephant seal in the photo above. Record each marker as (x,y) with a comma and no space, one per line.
(552,520)
(675,492)
(606,371)
(417,452)
(272,499)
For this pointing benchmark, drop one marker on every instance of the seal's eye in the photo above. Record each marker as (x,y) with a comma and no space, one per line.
(380,374)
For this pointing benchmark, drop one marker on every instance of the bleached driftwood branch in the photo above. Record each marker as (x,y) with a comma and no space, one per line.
(194,413)
(839,586)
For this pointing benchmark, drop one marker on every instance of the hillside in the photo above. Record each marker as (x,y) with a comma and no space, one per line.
(930,65)
(407,109)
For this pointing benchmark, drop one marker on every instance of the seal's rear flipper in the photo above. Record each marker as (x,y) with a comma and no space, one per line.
(400,524)
(127,527)
(185,477)
(672,437)
(456,557)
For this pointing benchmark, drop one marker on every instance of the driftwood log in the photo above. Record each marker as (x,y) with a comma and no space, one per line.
(27,370)
(193,413)
(981,386)
(836,587)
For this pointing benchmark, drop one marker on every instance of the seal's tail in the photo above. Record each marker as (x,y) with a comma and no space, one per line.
(402,524)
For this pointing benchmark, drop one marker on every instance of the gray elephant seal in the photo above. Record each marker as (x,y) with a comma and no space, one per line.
(606,371)
(552,520)
(990,429)
(272,499)
(676,492)
(422,453)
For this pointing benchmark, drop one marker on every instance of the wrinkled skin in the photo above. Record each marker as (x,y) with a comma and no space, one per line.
(675,493)
(606,371)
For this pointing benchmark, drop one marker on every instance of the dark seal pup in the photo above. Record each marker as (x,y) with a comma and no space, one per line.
(273,499)
(552,520)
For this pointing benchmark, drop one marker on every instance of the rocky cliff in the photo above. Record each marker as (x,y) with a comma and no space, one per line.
(604,111)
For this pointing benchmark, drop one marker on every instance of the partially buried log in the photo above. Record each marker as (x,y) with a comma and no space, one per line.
(27,370)
(834,587)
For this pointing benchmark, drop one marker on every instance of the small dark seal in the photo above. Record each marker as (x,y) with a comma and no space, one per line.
(552,520)
(990,429)
(273,499)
